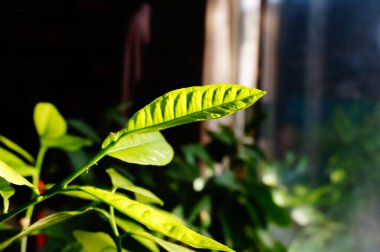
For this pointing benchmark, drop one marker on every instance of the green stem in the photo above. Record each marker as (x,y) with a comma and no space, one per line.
(57,188)
(29,213)
(114,226)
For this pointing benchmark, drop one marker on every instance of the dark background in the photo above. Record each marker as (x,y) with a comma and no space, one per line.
(71,53)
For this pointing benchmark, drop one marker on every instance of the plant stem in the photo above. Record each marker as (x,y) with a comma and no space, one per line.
(114,226)
(29,213)
(58,187)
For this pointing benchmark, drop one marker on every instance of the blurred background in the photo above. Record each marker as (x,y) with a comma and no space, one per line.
(298,172)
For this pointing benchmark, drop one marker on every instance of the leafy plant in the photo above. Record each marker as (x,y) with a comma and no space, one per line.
(139,142)
(226,198)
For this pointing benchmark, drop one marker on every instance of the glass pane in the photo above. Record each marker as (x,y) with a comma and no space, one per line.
(324,118)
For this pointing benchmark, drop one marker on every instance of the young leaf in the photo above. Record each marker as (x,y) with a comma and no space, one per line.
(15,147)
(66,142)
(188,105)
(45,222)
(123,183)
(155,220)
(95,242)
(48,121)
(6,191)
(16,163)
(14,178)
(145,148)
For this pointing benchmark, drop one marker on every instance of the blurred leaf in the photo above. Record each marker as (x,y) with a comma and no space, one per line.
(6,191)
(275,213)
(203,203)
(193,151)
(145,196)
(13,146)
(154,219)
(85,129)
(145,148)
(95,241)
(227,180)
(48,121)
(43,223)
(225,135)
(188,105)
(16,163)
(13,177)
(66,142)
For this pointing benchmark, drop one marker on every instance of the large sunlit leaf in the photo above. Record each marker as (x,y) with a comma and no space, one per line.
(143,195)
(16,163)
(145,149)
(95,241)
(15,147)
(155,220)
(48,121)
(188,105)
(13,177)
(66,142)
(6,191)
(43,223)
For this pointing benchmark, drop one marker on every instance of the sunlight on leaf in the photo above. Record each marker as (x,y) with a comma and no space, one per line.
(15,147)
(16,163)
(121,182)
(140,234)
(155,220)
(188,105)
(13,177)
(48,121)
(145,149)
(95,241)
(6,191)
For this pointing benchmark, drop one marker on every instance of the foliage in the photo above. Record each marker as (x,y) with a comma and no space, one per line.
(218,190)
(139,142)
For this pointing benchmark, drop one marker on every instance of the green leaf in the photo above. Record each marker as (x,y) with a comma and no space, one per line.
(155,220)
(14,178)
(85,129)
(6,191)
(45,222)
(142,195)
(66,142)
(95,241)
(277,214)
(72,191)
(48,121)
(142,236)
(171,247)
(16,163)
(138,233)
(145,148)
(188,105)
(15,147)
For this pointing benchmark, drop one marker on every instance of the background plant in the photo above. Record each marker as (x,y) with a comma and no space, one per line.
(138,142)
